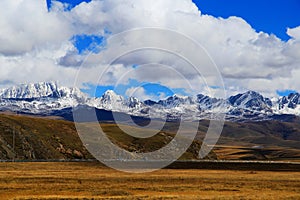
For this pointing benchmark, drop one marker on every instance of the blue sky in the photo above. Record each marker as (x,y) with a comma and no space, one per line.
(273,17)
(72,3)
(88,43)
(154,90)
(285,92)
(263,15)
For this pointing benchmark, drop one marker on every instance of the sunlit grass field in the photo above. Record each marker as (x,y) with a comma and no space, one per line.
(93,181)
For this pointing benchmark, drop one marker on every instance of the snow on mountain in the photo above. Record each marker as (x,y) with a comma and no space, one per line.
(40,97)
(290,101)
(30,91)
(173,107)
(40,90)
(288,104)
(249,105)
(45,97)
(111,101)
(251,100)
(176,100)
(209,103)
(114,102)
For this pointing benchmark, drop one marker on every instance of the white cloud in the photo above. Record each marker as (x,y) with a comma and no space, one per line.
(142,95)
(242,55)
(26,25)
(294,32)
(35,45)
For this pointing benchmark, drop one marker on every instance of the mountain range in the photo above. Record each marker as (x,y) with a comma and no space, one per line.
(48,98)
(256,127)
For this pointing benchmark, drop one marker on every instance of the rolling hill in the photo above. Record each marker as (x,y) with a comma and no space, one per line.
(28,138)
(43,138)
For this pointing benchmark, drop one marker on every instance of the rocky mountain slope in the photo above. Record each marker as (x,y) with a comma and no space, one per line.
(36,138)
(40,138)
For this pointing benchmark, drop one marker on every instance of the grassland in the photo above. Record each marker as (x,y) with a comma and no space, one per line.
(93,181)
(28,138)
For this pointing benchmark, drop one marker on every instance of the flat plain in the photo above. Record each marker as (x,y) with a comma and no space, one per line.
(91,180)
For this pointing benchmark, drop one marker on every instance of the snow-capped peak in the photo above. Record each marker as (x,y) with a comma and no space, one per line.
(250,99)
(40,97)
(40,90)
(112,101)
(288,104)
(31,91)
(291,101)
(110,97)
(45,97)
(176,100)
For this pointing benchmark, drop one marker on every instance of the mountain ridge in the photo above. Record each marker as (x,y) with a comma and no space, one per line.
(46,97)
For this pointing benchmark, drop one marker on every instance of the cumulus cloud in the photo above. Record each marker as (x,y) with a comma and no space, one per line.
(294,32)
(27,25)
(138,92)
(242,54)
(36,45)
(142,94)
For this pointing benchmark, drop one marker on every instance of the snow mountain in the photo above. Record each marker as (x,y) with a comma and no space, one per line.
(40,97)
(288,104)
(41,90)
(49,97)
(290,101)
(250,100)
(114,102)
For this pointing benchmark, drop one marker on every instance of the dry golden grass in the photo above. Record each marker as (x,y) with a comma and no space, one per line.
(227,152)
(93,181)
